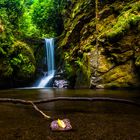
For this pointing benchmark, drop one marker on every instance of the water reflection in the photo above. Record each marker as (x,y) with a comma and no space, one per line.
(98,120)
(45,94)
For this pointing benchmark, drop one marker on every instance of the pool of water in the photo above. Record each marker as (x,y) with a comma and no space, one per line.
(90,120)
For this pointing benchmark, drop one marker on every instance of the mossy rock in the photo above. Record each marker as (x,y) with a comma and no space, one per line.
(120,76)
(128,17)
(122,57)
(83,71)
(6,69)
(118,43)
(19,63)
(22,48)
(22,60)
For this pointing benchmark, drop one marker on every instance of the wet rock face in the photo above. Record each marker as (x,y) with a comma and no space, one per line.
(60,80)
(118,59)
(60,84)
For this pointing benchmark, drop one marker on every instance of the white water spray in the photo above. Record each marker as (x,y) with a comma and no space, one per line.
(49,61)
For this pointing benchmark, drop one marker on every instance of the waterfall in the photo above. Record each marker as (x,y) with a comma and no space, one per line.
(49,62)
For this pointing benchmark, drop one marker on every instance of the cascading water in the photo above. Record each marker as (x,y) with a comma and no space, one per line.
(49,61)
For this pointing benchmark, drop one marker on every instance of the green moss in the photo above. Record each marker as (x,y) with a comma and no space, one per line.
(26,71)
(120,76)
(2,52)
(21,48)
(125,20)
(137,62)
(122,57)
(81,6)
(118,34)
(83,66)
(104,64)
(22,60)
(77,68)
(115,85)
(75,9)
(6,69)
(69,69)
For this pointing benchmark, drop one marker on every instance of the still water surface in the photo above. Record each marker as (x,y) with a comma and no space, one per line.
(90,121)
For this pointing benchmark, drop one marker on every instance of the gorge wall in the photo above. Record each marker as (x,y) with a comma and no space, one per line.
(102,55)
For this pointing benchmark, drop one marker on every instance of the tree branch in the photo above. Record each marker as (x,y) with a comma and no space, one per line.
(40,111)
(93,99)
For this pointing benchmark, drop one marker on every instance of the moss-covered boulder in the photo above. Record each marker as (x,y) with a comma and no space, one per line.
(22,60)
(18,64)
(104,53)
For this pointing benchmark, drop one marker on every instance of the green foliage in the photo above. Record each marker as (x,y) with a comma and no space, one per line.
(41,13)
(22,60)
(28,18)
(21,48)
(46,15)
(69,69)
(2,52)
(26,71)
(14,10)
(21,20)
(15,61)
(26,26)
(5,68)
(77,68)
(10,13)
(83,65)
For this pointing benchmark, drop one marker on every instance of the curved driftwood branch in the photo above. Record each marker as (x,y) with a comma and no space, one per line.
(40,111)
(91,99)
(25,102)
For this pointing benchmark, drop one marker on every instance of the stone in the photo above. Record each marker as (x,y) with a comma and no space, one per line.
(100,86)
(56,127)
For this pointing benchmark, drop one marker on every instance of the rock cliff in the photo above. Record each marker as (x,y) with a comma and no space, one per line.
(100,46)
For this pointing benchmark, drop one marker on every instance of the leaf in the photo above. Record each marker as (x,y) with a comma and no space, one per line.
(61,123)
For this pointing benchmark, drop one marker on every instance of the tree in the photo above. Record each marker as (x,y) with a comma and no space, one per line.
(46,15)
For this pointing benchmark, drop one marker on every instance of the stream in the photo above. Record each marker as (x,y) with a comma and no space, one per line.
(90,120)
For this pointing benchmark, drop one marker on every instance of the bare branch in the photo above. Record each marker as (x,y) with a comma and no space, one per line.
(93,99)
(40,111)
